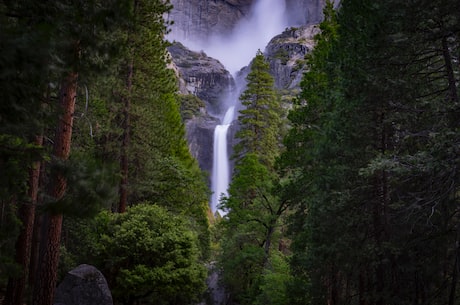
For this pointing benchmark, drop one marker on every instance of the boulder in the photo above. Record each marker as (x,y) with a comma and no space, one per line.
(84,285)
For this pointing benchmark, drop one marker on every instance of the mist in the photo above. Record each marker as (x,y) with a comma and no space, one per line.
(235,51)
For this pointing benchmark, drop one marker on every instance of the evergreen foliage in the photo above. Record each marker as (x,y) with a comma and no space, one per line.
(260,119)
(250,229)
(42,43)
(372,178)
(147,254)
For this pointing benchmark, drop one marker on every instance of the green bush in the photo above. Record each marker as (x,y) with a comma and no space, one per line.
(147,254)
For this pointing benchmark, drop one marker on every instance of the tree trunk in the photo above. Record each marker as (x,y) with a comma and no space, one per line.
(16,286)
(450,71)
(49,257)
(125,142)
(455,270)
(36,237)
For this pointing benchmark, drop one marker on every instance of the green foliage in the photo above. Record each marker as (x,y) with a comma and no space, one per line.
(147,254)
(91,187)
(190,106)
(260,119)
(367,175)
(9,231)
(274,281)
(254,209)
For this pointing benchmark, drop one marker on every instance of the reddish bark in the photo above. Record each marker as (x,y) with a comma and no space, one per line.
(16,286)
(44,290)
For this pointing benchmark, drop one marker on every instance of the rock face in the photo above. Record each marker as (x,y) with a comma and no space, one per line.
(207,79)
(84,285)
(286,54)
(200,138)
(202,76)
(201,19)
(303,12)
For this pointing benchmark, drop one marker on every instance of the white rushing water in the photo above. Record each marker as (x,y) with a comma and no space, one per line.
(221,164)
(266,20)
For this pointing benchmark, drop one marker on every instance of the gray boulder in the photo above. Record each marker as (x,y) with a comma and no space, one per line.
(84,285)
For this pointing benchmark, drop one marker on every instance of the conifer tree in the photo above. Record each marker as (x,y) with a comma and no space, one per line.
(363,162)
(254,210)
(260,119)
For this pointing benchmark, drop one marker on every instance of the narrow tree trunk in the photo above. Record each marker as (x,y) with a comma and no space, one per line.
(125,142)
(16,286)
(268,242)
(362,287)
(455,270)
(36,238)
(44,291)
(449,71)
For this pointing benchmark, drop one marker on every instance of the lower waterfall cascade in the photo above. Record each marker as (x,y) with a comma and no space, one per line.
(221,163)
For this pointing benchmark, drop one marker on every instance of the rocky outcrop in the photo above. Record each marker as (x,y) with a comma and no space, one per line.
(207,79)
(84,285)
(202,76)
(200,138)
(286,54)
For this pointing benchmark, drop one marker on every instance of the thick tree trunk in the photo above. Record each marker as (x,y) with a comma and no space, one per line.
(16,286)
(125,142)
(44,291)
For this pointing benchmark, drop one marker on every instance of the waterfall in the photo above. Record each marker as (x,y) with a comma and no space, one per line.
(266,19)
(221,164)
(234,52)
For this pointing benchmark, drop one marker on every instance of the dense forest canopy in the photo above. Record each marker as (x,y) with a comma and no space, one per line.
(90,122)
(356,203)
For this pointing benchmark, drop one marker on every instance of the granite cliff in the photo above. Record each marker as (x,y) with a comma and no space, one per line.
(286,54)
(201,19)
(204,81)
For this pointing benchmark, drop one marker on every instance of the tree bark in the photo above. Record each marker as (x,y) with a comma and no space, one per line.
(16,286)
(36,237)
(125,142)
(450,71)
(44,291)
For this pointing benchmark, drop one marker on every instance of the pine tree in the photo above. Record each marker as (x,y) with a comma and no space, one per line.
(362,159)
(260,119)
(254,210)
